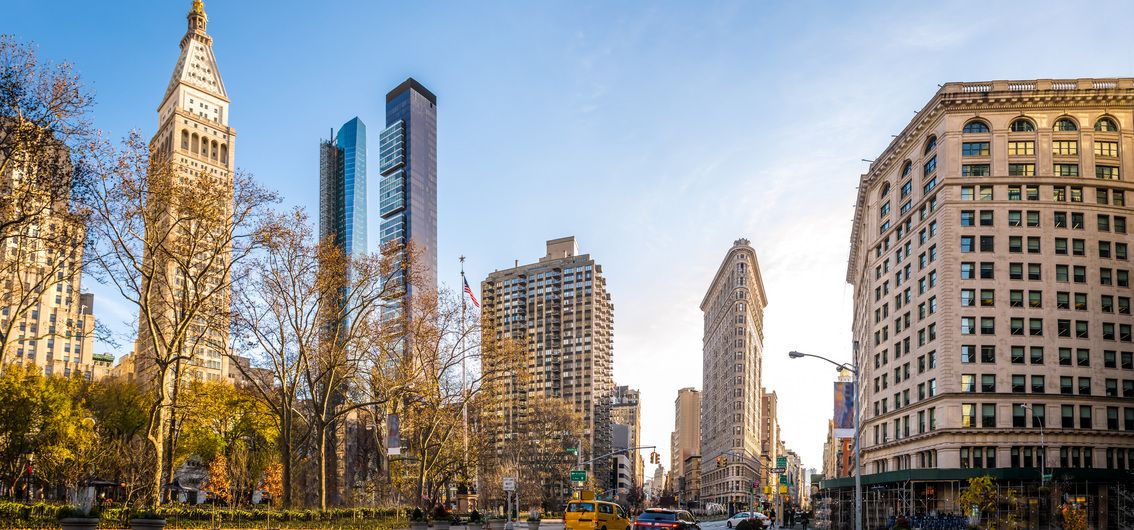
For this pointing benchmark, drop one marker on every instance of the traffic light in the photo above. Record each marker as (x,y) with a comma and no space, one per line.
(655,458)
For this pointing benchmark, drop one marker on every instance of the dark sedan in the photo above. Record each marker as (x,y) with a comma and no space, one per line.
(657,519)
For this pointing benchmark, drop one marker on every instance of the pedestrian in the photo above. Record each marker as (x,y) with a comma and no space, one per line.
(803,517)
(791,518)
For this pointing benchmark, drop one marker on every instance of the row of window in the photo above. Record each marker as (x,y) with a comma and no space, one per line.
(1066,124)
(1031,219)
(1102,149)
(1116,418)
(1017,244)
(1063,124)
(987,384)
(1063,300)
(1034,327)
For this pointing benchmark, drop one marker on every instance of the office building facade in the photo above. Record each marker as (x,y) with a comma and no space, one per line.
(408,167)
(990,264)
(342,188)
(733,311)
(685,440)
(559,310)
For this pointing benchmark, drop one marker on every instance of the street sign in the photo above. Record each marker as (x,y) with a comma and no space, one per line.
(783,479)
(779,470)
(509,484)
(573,451)
(1047,477)
(781,462)
(578,475)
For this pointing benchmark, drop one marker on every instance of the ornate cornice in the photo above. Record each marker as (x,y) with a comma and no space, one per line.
(1039,94)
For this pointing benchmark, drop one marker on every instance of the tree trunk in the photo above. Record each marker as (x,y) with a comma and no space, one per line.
(171,432)
(157,441)
(321,433)
(285,458)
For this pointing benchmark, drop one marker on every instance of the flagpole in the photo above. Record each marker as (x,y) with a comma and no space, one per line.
(464,378)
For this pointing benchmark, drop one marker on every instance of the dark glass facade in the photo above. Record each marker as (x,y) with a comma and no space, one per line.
(342,187)
(408,165)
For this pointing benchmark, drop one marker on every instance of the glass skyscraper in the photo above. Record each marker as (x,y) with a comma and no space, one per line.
(408,165)
(342,187)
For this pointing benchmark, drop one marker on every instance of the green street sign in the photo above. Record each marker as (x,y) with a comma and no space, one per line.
(573,451)
(579,475)
(781,461)
(783,479)
(1047,477)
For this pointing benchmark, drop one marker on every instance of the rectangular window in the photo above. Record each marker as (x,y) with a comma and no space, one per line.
(975,170)
(1037,384)
(1065,147)
(988,415)
(1021,170)
(1106,172)
(1066,170)
(968,244)
(988,383)
(1021,148)
(1016,271)
(1107,149)
(987,269)
(1017,354)
(968,415)
(974,149)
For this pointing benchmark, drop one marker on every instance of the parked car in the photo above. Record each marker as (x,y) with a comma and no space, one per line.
(743,516)
(590,514)
(656,519)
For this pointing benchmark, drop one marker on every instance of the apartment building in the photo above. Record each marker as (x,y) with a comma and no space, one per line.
(991,271)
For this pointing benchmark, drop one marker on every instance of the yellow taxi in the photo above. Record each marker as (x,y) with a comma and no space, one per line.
(586,513)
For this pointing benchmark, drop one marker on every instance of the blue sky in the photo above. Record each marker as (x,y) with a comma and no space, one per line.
(655,132)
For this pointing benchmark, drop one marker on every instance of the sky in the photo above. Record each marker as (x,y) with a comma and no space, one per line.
(657,133)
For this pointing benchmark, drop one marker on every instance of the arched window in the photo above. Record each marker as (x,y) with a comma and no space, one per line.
(196,145)
(907,168)
(184,139)
(1065,124)
(1022,125)
(216,150)
(885,189)
(204,147)
(1106,125)
(930,144)
(224,153)
(975,126)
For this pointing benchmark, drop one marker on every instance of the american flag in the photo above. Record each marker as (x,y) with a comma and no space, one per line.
(468,291)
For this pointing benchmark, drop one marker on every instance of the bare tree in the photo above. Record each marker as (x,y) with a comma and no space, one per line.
(447,366)
(167,238)
(43,125)
(313,315)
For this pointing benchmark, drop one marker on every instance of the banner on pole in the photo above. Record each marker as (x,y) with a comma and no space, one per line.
(844,409)
(393,436)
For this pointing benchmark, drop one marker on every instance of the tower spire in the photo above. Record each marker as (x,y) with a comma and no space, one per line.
(197,17)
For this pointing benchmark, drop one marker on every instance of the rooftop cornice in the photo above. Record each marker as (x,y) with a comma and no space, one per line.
(987,95)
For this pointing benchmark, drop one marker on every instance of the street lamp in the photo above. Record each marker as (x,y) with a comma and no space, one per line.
(851,367)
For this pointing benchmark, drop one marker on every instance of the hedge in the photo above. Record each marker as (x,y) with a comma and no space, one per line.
(44,515)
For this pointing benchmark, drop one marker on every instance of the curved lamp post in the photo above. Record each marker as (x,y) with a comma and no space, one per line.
(853,369)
